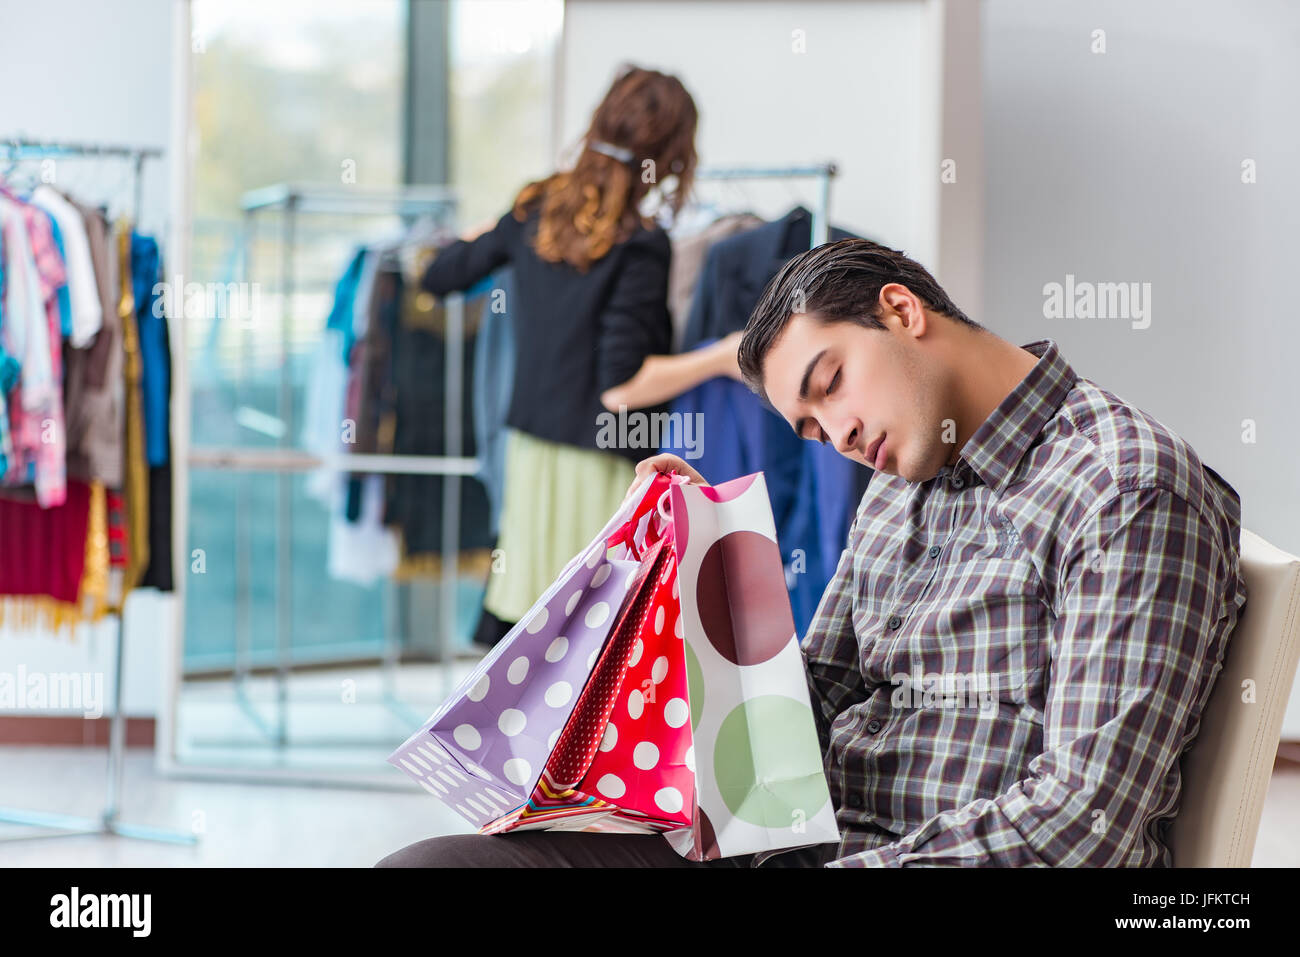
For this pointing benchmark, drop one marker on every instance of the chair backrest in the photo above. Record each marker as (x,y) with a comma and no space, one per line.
(1226,772)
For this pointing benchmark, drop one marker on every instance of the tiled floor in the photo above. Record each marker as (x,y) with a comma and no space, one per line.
(272,825)
(246,825)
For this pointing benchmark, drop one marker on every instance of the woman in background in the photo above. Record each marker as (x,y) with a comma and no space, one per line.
(592,328)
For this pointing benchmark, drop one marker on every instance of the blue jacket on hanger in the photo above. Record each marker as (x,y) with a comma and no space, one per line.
(737,268)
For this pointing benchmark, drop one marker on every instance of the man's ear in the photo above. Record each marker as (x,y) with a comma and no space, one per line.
(906,305)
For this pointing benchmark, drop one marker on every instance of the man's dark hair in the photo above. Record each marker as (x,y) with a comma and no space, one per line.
(840,282)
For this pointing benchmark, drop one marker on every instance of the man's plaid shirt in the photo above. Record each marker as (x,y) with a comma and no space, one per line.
(1013,655)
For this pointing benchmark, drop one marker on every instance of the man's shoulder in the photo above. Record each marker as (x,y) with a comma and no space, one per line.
(1103,455)
(1114,447)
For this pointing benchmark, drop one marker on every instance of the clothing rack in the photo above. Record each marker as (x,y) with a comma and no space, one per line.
(17,149)
(823,173)
(291,201)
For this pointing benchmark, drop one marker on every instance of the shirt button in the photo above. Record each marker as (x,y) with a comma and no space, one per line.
(934,551)
(855,800)
(958,481)
(894,621)
(873,726)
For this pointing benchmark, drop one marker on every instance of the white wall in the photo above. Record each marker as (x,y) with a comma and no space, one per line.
(86,70)
(1126,167)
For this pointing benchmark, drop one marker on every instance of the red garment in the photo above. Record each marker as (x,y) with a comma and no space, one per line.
(43,550)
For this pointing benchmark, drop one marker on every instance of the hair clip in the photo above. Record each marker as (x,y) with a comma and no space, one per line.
(609,149)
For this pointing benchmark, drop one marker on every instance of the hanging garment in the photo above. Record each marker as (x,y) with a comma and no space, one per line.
(31,271)
(414,502)
(365,292)
(155,356)
(159,572)
(64,297)
(361,550)
(327,383)
(9,370)
(375,374)
(494,373)
(105,350)
(738,268)
(347,292)
(94,384)
(136,489)
(94,601)
(83,291)
(17,305)
(43,554)
(689,253)
(27,289)
(36,418)
(349,411)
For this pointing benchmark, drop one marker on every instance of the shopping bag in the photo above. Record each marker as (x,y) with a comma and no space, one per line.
(641,779)
(623,762)
(716,621)
(759,780)
(482,752)
(644,763)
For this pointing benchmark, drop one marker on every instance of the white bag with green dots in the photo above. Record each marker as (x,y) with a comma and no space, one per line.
(759,783)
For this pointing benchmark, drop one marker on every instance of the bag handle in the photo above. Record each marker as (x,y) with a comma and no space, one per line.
(651,501)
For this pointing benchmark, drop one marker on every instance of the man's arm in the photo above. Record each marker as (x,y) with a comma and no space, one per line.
(1135,647)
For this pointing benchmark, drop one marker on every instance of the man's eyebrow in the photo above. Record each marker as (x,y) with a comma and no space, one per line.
(807,376)
(803,389)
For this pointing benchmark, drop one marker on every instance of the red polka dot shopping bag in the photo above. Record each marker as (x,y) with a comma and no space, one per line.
(623,762)
(482,752)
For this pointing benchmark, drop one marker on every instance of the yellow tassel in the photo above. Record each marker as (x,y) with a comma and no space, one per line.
(30,613)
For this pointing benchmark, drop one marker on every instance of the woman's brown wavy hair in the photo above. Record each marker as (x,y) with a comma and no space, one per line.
(588,209)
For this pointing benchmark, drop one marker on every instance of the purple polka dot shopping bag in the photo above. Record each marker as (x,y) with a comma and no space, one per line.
(482,752)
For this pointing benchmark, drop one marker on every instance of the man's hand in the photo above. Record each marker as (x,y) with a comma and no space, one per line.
(664,462)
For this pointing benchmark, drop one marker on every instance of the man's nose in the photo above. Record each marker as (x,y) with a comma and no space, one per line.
(850,437)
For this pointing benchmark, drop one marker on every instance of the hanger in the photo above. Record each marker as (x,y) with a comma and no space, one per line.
(19,174)
(11,159)
(427,230)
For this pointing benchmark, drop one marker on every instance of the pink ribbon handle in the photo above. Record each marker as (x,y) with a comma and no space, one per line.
(651,501)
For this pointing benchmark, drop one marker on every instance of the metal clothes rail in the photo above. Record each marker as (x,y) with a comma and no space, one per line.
(822,172)
(19,148)
(291,201)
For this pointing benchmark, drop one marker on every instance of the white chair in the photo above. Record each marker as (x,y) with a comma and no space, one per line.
(1227,770)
